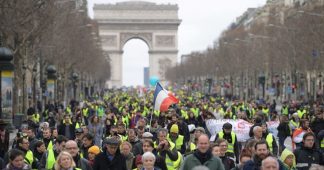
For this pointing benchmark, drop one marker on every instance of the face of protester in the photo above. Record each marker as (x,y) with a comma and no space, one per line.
(197,133)
(65,162)
(148,163)
(227,131)
(203,144)
(309,142)
(264,128)
(95,119)
(60,147)
(162,136)
(67,119)
(258,133)
(173,135)
(41,149)
(125,150)
(85,130)
(18,162)
(306,124)
(289,160)
(47,134)
(72,148)
(223,148)
(55,133)
(244,159)
(174,119)
(24,144)
(91,156)
(147,147)
(216,151)
(121,129)
(131,136)
(86,142)
(262,151)
(30,133)
(270,165)
(111,149)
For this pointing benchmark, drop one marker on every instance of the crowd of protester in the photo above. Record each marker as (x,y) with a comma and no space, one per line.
(120,130)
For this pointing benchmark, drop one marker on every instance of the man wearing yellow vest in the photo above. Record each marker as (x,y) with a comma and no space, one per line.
(177,139)
(48,159)
(47,138)
(231,138)
(167,150)
(270,139)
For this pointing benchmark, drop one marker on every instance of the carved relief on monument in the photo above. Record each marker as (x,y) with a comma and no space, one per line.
(124,37)
(164,64)
(109,40)
(165,41)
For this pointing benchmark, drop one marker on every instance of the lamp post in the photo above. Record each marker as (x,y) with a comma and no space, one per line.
(75,78)
(6,76)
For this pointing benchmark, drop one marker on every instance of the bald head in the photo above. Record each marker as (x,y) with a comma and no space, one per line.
(72,147)
(270,163)
(203,143)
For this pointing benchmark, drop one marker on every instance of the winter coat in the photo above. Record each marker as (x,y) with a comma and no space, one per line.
(192,161)
(255,164)
(305,157)
(97,131)
(102,162)
(284,130)
(25,167)
(285,153)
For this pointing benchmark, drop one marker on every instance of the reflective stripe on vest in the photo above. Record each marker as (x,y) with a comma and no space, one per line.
(322,143)
(50,159)
(269,140)
(173,165)
(29,157)
(230,147)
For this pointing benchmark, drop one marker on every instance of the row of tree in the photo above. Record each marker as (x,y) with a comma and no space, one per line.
(51,32)
(279,52)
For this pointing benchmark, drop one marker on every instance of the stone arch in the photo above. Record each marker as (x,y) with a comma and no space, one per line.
(157,25)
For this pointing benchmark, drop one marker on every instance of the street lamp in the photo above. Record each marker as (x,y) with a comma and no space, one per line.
(6,76)
(75,78)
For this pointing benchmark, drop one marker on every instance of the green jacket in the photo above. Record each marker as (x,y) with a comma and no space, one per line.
(191,161)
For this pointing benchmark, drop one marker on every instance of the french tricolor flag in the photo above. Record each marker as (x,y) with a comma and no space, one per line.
(163,99)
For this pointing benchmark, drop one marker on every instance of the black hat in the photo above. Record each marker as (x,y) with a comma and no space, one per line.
(111,141)
(227,126)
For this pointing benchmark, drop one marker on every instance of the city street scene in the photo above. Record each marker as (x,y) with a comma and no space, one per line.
(161,85)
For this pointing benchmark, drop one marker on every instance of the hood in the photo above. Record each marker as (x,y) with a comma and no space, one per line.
(285,153)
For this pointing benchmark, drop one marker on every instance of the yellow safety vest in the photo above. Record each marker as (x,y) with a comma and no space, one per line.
(301,113)
(77,125)
(195,111)
(36,117)
(50,160)
(322,143)
(184,114)
(50,145)
(230,147)
(29,157)
(125,120)
(178,142)
(296,124)
(173,165)
(265,111)
(269,140)
(192,146)
(85,112)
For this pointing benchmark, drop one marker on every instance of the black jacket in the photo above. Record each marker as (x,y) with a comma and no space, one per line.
(317,125)
(307,156)
(61,130)
(284,130)
(102,162)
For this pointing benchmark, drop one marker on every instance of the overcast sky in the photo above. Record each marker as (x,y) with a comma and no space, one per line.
(202,23)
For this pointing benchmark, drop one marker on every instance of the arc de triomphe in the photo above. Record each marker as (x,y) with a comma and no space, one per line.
(157,25)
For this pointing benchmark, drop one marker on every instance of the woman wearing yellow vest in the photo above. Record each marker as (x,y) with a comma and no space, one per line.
(65,162)
(23,145)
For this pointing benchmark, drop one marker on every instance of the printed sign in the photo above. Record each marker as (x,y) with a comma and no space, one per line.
(240,127)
